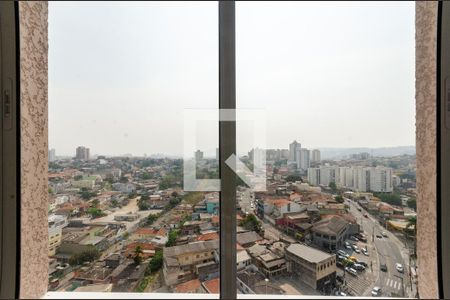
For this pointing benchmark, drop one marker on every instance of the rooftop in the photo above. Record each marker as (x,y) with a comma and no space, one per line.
(310,254)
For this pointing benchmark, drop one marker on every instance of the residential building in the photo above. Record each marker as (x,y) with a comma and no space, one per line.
(315,268)
(294,147)
(82,153)
(315,155)
(303,159)
(331,232)
(198,155)
(182,263)
(51,155)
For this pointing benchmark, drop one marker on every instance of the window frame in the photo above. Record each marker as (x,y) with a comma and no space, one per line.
(10,151)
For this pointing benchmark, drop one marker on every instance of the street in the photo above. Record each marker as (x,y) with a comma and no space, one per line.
(389,251)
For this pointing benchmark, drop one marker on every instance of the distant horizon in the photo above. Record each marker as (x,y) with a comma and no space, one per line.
(240,154)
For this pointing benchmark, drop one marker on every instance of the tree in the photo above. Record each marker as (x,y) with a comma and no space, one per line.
(85,256)
(95,212)
(339,199)
(152,218)
(250,222)
(412,223)
(123,179)
(143,205)
(155,264)
(411,203)
(146,176)
(173,235)
(137,258)
(333,187)
(78,177)
(391,198)
(293,178)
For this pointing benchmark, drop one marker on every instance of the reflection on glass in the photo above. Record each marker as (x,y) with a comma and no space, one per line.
(121,76)
(337,83)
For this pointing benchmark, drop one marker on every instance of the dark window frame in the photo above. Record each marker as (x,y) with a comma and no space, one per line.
(10,150)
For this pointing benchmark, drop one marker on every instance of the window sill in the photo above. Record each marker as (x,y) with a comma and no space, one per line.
(88,295)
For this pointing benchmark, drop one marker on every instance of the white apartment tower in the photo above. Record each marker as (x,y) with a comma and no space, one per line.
(315,155)
(51,155)
(294,147)
(198,155)
(303,159)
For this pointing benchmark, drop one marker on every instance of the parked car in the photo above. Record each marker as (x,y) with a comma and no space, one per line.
(365,252)
(341,252)
(399,267)
(376,291)
(366,216)
(340,257)
(353,258)
(348,246)
(379,236)
(351,271)
(383,267)
(354,238)
(363,263)
(359,267)
(355,248)
(384,234)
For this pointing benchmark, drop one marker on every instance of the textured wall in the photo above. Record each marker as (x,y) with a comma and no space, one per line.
(34,114)
(426,33)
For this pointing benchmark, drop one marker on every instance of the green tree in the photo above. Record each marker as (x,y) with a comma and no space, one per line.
(155,264)
(412,223)
(85,256)
(137,258)
(339,199)
(333,187)
(95,212)
(293,178)
(411,203)
(173,235)
(250,222)
(391,198)
(152,218)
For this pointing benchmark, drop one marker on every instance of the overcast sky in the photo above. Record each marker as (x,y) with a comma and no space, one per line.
(327,74)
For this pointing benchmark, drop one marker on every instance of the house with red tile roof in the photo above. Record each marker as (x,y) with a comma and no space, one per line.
(212,286)
(191,286)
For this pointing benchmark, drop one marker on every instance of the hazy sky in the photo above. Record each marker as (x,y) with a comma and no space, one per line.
(328,74)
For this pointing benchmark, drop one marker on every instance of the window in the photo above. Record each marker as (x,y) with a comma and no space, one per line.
(287,188)
(120,84)
(337,87)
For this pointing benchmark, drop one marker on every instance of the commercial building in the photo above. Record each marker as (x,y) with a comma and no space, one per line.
(315,268)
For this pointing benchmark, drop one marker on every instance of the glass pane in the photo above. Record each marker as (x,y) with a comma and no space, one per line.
(337,83)
(121,77)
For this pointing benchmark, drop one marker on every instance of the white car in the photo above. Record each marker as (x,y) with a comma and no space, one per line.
(351,271)
(399,267)
(376,291)
(365,252)
(341,252)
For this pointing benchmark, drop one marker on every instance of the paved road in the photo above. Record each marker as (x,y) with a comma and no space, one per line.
(389,252)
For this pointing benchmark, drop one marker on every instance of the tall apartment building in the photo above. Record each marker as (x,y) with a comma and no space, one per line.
(303,159)
(82,153)
(51,155)
(362,179)
(294,147)
(198,155)
(315,155)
